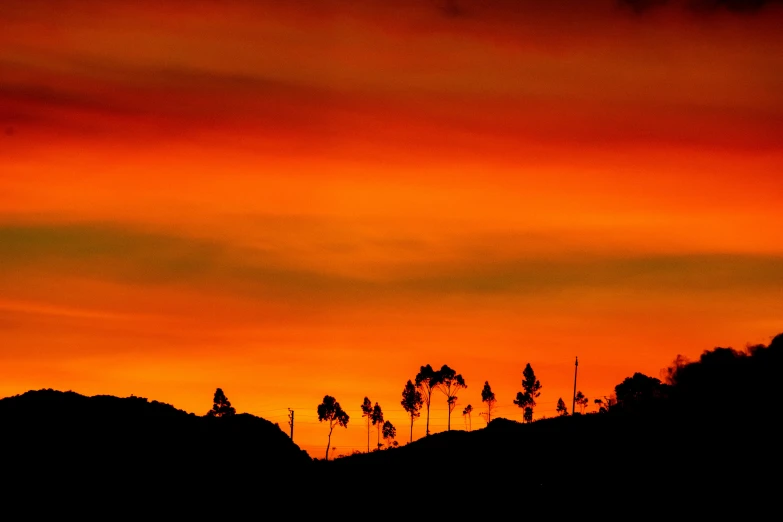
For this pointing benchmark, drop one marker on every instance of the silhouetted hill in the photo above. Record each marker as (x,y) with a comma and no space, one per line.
(111,443)
(711,431)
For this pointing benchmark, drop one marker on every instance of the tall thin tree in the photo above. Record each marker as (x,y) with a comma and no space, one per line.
(377,419)
(488,397)
(426,381)
(412,402)
(367,412)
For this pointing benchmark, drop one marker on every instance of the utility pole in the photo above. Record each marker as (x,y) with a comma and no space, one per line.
(573,402)
(291,422)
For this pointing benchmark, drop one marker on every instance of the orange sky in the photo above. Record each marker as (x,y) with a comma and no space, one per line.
(293,199)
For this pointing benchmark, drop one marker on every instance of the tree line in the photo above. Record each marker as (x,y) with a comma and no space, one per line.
(417,394)
(417,397)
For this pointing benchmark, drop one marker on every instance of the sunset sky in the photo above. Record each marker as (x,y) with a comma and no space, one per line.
(288,199)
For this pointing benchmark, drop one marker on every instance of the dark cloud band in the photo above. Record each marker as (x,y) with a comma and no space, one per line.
(739,6)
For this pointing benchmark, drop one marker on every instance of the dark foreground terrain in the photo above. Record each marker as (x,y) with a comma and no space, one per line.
(710,437)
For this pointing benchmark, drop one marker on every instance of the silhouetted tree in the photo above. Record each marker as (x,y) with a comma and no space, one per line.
(426,381)
(466,412)
(488,397)
(221,407)
(411,402)
(377,419)
(389,432)
(367,412)
(561,407)
(532,390)
(581,401)
(639,391)
(330,411)
(450,382)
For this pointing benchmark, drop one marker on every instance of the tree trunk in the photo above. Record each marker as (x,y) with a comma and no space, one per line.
(411,428)
(448,426)
(428,419)
(368,434)
(329,443)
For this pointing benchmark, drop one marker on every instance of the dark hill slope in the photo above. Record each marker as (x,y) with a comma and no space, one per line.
(712,428)
(654,455)
(63,436)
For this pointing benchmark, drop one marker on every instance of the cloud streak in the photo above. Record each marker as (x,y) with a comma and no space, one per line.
(138,258)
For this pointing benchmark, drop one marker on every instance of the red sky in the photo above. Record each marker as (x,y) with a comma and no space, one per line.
(293,199)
